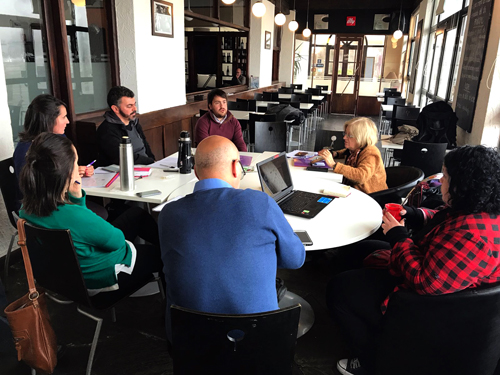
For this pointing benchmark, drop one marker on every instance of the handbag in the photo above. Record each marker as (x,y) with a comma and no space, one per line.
(29,321)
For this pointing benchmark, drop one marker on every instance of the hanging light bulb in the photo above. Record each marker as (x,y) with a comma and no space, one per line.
(293,25)
(78,3)
(398,33)
(280,19)
(228,2)
(258,9)
(307,32)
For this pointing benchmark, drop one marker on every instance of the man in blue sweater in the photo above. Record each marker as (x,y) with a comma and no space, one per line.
(220,245)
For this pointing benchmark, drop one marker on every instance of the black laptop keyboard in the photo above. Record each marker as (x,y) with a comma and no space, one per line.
(301,200)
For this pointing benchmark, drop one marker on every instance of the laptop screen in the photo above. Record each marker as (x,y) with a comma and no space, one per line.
(274,175)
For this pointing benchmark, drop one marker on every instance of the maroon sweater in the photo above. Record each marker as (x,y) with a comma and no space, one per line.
(230,129)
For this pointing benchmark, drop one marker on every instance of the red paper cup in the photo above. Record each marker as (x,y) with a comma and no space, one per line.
(394,209)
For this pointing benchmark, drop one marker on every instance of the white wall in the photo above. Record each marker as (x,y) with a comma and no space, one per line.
(151,65)
(287,51)
(6,143)
(261,59)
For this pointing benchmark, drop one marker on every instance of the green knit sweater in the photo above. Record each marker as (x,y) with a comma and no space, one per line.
(98,244)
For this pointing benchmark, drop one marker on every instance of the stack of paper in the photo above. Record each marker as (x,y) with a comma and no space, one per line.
(337,190)
(142,171)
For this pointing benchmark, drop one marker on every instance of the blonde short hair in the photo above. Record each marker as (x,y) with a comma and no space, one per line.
(364,131)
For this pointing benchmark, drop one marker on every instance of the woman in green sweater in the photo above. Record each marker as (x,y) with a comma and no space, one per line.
(54,199)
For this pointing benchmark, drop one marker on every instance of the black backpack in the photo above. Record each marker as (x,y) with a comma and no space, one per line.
(437,123)
(286,112)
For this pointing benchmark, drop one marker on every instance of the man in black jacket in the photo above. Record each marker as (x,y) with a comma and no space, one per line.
(121,121)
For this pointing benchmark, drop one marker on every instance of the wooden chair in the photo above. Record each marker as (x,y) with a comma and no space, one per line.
(251,344)
(56,268)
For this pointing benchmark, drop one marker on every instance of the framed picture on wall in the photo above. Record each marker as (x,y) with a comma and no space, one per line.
(268,40)
(162,19)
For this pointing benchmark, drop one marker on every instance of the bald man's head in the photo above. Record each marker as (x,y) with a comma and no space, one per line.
(214,159)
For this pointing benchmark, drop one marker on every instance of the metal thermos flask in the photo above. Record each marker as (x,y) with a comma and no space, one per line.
(126,165)
(184,161)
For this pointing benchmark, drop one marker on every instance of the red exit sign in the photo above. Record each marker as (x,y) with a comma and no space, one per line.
(351,21)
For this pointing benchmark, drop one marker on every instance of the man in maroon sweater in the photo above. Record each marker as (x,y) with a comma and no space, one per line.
(219,121)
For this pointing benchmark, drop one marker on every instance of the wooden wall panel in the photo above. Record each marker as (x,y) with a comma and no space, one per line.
(368,106)
(154,138)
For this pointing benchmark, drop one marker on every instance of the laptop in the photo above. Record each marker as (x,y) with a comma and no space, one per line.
(276,181)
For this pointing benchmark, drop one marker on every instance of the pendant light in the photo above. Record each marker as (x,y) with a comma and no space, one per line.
(228,2)
(307,32)
(280,18)
(398,33)
(258,9)
(293,25)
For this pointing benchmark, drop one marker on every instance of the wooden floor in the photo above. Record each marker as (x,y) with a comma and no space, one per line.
(136,343)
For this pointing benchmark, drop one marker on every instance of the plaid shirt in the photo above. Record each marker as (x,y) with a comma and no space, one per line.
(460,252)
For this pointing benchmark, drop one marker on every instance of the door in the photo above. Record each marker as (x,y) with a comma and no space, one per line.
(346,75)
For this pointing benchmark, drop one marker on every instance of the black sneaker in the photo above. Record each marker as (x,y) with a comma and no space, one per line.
(350,366)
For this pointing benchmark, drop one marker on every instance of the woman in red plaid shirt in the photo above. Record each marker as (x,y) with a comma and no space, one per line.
(452,249)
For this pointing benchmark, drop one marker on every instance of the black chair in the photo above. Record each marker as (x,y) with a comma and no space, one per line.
(258,96)
(296,86)
(252,105)
(391,94)
(396,101)
(428,157)
(237,106)
(400,180)
(315,91)
(324,139)
(285,90)
(404,116)
(203,111)
(301,98)
(252,118)
(11,197)
(270,96)
(456,333)
(252,344)
(437,123)
(322,87)
(270,136)
(389,89)
(57,269)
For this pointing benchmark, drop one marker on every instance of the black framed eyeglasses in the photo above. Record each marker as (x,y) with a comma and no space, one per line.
(243,172)
(348,135)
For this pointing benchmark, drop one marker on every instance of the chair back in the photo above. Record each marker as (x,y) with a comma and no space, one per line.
(389,89)
(324,139)
(396,101)
(237,106)
(391,94)
(10,188)
(301,98)
(428,157)
(431,332)
(252,118)
(252,105)
(263,343)
(315,91)
(54,262)
(296,86)
(400,180)
(203,111)
(404,116)
(285,90)
(258,96)
(322,87)
(437,123)
(270,96)
(270,136)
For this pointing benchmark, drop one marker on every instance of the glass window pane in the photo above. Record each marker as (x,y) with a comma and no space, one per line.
(319,56)
(204,7)
(375,40)
(435,63)
(24,55)
(450,7)
(459,55)
(444,77)
(89,56)
(234,13)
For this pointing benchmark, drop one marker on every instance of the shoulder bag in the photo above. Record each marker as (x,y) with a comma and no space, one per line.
(29,321)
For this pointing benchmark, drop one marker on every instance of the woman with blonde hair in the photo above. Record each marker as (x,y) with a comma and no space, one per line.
(363,168)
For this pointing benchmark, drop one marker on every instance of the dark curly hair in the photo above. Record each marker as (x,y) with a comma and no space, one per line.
(474,184)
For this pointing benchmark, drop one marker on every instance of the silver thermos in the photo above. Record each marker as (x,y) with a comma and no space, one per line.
(126,165)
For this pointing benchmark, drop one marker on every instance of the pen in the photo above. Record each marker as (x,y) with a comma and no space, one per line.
(88,165)
(78,182)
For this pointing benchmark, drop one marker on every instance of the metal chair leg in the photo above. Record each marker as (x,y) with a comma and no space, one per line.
(94,341)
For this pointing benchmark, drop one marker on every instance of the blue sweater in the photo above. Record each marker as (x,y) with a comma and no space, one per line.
(221,247)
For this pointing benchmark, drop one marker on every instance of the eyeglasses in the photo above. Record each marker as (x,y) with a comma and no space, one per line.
(348,135)
(243,172)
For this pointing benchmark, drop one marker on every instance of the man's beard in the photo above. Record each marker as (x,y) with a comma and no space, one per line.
(130,117)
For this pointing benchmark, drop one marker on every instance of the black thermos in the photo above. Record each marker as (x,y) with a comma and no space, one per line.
(185,160)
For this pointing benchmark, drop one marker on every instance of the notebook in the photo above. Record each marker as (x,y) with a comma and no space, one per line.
(276,181)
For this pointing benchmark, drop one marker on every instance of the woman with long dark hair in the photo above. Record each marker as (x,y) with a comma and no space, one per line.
(54,199)
(452,249)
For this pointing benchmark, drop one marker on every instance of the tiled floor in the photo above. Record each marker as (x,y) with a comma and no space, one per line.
(136,343)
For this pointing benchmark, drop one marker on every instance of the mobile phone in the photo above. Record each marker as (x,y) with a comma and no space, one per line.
(301,153)
(112,168)
(149,193)
(304,237)
(317,169)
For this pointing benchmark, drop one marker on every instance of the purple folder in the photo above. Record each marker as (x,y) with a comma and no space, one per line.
(245,160)
(306,162)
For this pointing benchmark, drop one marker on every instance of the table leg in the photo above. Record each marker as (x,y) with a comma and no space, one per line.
(306,319)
